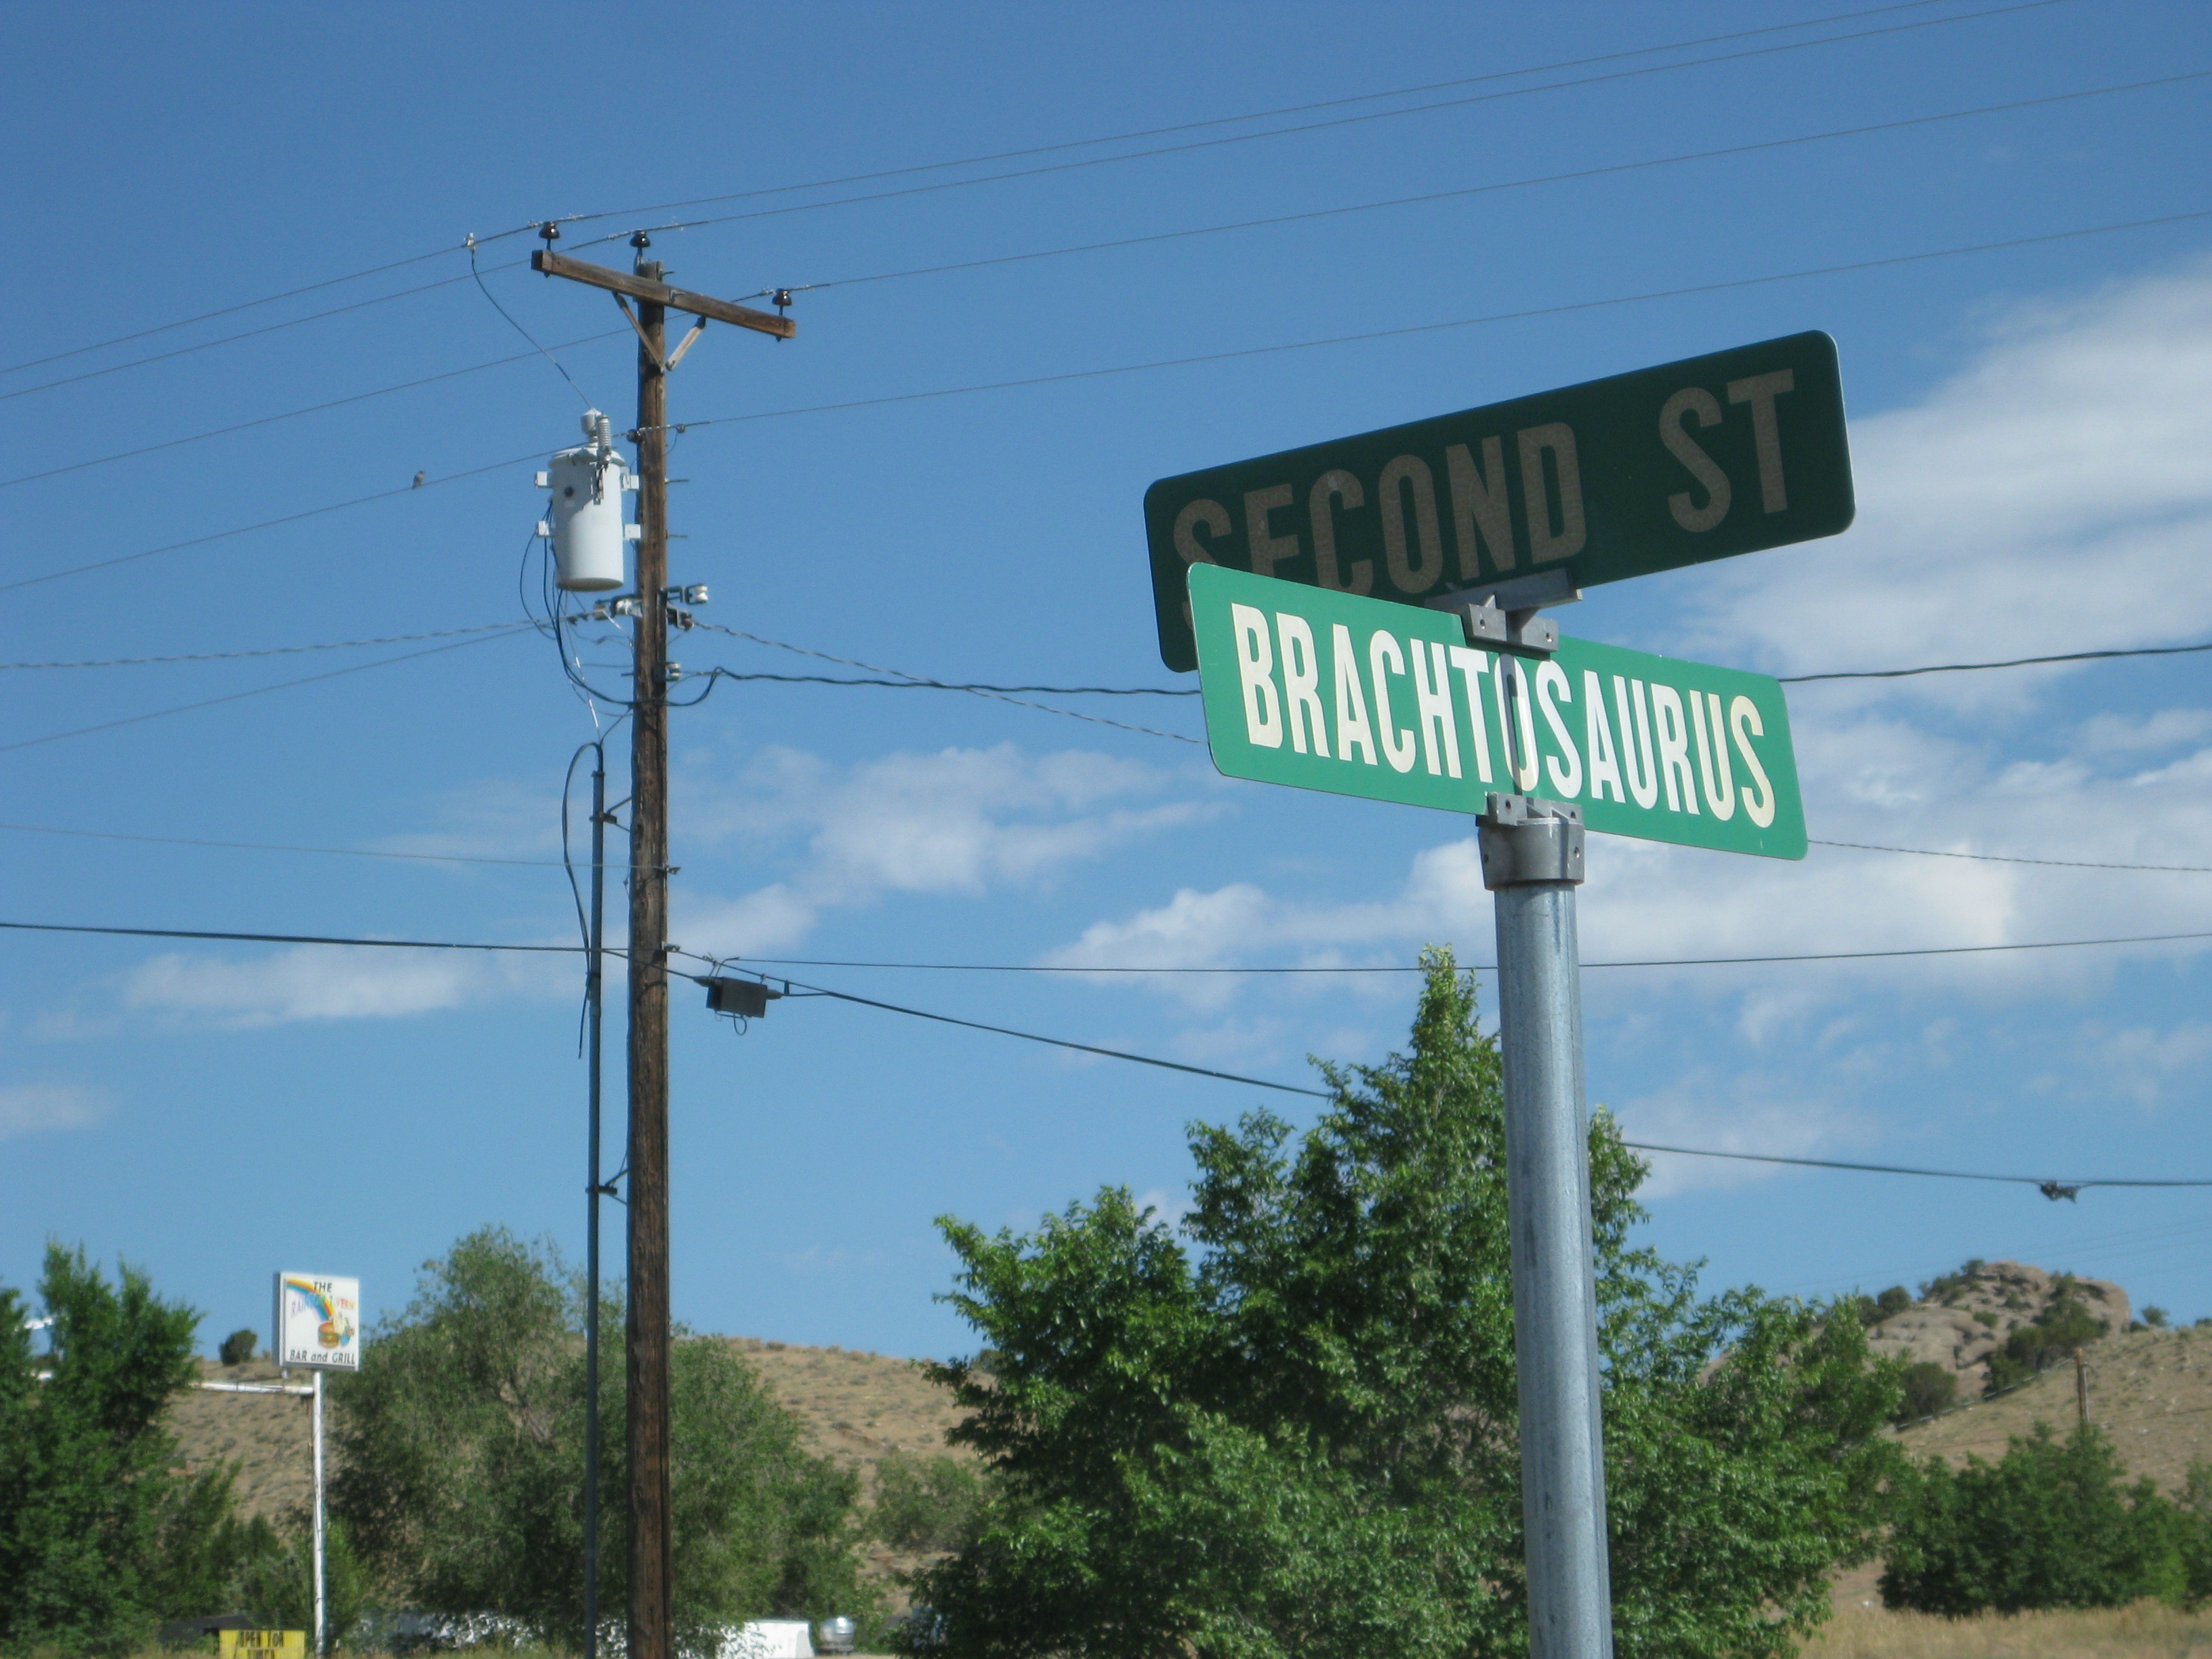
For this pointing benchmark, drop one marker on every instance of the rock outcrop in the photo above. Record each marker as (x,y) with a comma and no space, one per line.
(1963,1318)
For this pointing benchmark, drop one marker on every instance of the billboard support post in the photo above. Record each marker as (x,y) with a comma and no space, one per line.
(1532,861)
(318,1329)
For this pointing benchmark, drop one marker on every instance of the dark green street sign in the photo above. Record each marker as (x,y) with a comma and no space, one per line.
(1330,691)
(1712,456)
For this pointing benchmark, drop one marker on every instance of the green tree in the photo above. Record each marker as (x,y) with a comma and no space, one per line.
(89,1509)
(461,1462)
(237,1347)
(2051,1524)
(925,1507)
(1298,1437)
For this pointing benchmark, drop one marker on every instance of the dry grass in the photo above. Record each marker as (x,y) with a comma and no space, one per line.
(2137,1632)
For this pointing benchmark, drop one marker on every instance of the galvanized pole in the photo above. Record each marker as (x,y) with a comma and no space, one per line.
(595,999)
(1532,860)
(322,1619)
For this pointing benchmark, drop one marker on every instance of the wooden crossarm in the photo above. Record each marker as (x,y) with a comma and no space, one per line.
(676,299)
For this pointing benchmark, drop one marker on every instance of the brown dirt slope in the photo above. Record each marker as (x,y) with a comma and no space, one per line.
(852,1406)
(2150,1390)
(269,1436)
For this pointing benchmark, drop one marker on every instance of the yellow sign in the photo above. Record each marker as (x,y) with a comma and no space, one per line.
(261,1644)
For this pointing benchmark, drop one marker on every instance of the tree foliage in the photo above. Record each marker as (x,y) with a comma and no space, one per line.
(460,1458)
(1294,1433)
(926,1506)
(2051,1524)
(97,1529)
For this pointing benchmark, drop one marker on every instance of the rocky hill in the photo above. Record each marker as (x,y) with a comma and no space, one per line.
(1962,1319)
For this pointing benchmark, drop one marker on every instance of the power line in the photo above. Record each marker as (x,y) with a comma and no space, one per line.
(919,680)
(292,939)
(274,650)
(229,311)
(1670,961)
(1339,121)
(229,339)
(292,414)
(977,691)
(2003,858)
(1060,1043)
(2012,662)
(973,160)
(260,691)
(1533,181)
(1462,322)
(1255,115)
(2049,1187)
(274,847)
(901,678)
(268,524)
(1177,363)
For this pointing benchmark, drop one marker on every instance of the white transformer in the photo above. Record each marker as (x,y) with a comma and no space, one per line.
(587,526)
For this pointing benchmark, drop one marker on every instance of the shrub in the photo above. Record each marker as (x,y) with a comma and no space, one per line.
(2065,1326)
(1947,1287)
(2049,1525)
(1930,1387)
(2155,1316)
(237,1347)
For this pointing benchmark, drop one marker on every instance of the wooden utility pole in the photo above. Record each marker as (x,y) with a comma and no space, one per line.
(2080,1390)
(651,1611)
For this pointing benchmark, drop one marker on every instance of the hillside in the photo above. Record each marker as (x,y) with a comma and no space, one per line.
(2150,1390)
(1962,1319)
(269,1436)
(851,1405)
(855,1405)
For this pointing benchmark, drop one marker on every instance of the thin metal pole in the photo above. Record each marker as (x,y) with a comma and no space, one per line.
(595,999)
(1532,860)
(322,1618)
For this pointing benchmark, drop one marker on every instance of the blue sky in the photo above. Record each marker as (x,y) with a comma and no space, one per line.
(2029,427)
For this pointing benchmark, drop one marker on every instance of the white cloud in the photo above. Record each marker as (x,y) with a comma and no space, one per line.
(29,1109)
(2051,496)
(2145,1065)
(959,821)
(1766,1115)
(310,982)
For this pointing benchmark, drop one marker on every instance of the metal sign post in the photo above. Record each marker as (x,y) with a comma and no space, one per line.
(318,1328)
(1532,860)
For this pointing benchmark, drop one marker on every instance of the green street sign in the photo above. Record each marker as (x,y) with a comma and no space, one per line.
(1701,459)
(1357,696)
